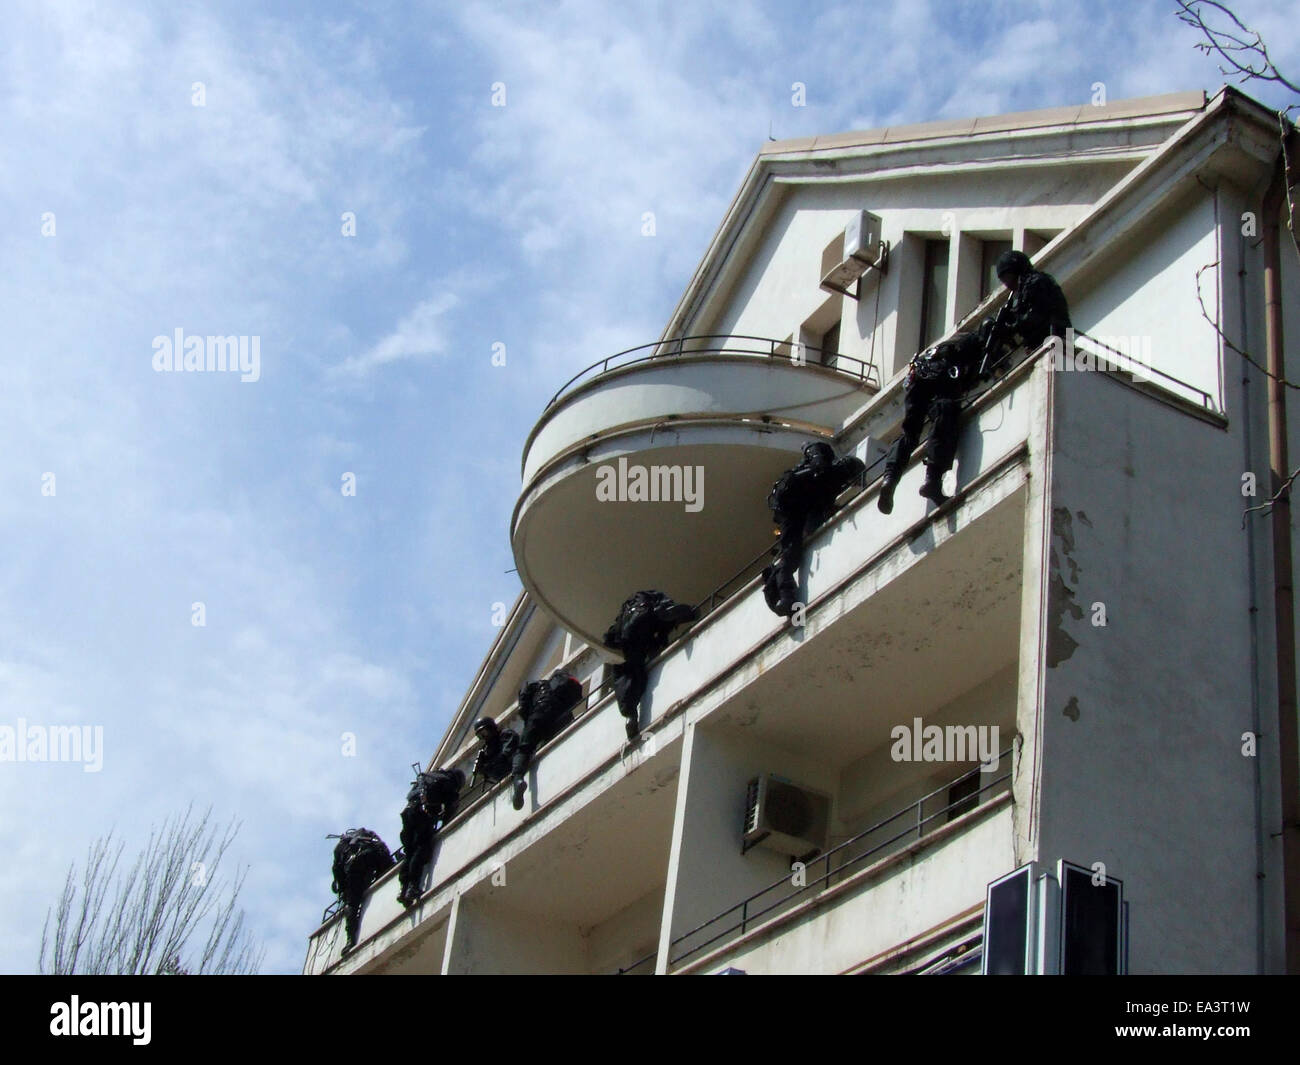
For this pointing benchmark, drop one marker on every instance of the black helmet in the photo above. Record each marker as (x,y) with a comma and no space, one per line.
(485,724)
(820,448)
(1014,263)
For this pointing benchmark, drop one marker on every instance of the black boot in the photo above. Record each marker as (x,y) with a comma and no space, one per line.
(933,487)
(771,593)
(517,800)
(886,500)
(787,596)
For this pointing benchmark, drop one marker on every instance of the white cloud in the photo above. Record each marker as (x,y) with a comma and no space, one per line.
(180,488)
(419,333)
(329,614)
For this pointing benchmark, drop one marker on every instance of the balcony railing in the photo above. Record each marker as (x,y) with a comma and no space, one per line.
(641,967)
(723,344)
(910,820)
(604,690)
(470,796)
(1137,368)
(854,489)
(729,587)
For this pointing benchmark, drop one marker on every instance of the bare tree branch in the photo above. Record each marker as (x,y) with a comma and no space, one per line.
(146,919)
(1224,336)
(1267,505)
(1255,65)
(1290,177)
(1247,58)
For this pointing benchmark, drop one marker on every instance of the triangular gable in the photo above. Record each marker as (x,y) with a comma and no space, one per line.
(867,154)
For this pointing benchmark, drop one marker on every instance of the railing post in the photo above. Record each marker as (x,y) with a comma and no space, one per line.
(920,803)
(744,915)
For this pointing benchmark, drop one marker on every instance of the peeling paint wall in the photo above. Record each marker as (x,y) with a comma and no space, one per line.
(1146,690)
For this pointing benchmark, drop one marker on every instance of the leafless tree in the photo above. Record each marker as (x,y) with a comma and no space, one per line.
(168,914)
(1234,42)
(1243,55)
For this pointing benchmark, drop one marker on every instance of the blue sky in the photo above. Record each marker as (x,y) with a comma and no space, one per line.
(475,225)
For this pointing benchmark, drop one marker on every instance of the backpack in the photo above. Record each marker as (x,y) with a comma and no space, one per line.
(565,691)
(779,497)
(631,619)
(788,495)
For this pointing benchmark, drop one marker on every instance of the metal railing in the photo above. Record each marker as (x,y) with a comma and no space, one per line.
(640,963)
(732,344)
(469,795)
(860,484)
(915,820)
(864,480)
(727,588)
(854,489)
(1140,368)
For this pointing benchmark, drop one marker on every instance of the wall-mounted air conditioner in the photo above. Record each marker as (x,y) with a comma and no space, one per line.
(852,253)
(785,816)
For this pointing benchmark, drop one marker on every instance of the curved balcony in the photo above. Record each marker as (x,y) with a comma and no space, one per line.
(651,469)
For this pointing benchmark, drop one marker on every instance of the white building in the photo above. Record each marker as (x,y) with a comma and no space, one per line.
(1089,591)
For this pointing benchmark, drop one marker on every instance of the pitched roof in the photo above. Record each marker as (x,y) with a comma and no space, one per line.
(1168,104)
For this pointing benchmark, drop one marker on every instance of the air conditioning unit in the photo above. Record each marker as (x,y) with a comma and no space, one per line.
(785,816)
(852,253)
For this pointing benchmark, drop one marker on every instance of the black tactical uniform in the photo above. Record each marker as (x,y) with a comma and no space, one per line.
(360,857)
(430,803)
(640,632)
(936,382)
(497,753)
(1035,310)
(801,501)
(443,793)
(545,706)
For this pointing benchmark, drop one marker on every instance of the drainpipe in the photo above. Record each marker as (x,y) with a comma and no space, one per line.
(1252,581)
(1283,599)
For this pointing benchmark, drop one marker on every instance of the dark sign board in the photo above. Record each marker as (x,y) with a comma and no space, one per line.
(1092,923)
(1006,924)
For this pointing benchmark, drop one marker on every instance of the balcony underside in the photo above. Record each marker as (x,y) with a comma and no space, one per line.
(946,624)
(709,432)
(580,556)
(827,694)
(585,898)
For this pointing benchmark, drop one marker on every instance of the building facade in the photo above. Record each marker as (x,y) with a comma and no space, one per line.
(1073,658)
